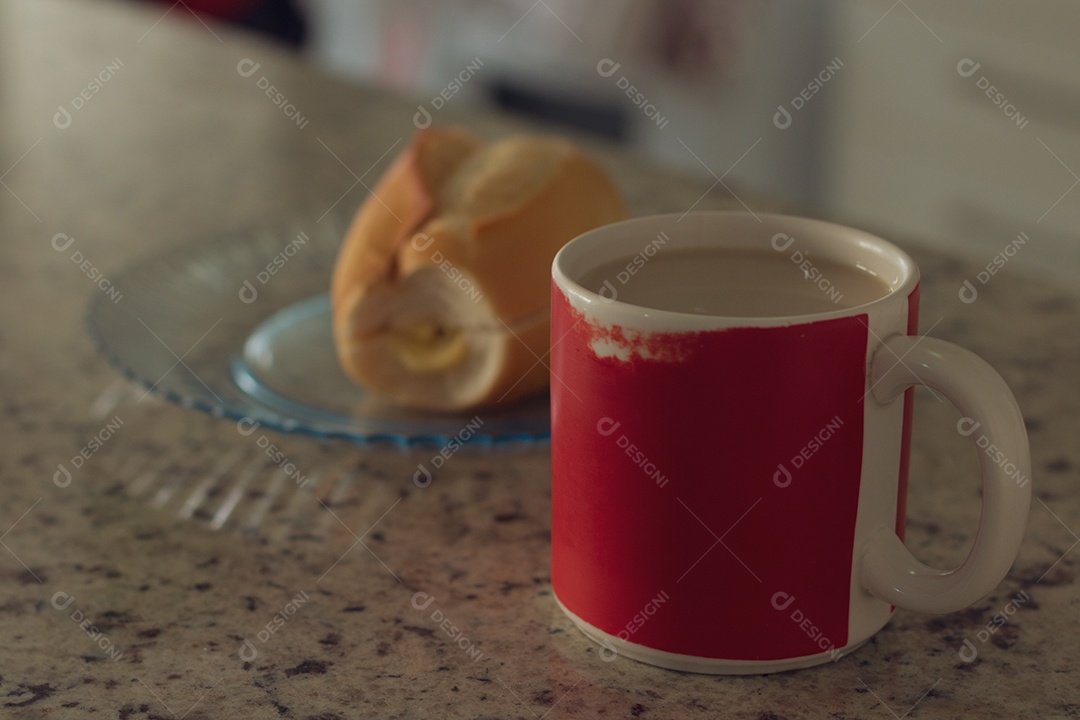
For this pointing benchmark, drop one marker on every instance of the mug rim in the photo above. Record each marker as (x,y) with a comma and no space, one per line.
(625,313)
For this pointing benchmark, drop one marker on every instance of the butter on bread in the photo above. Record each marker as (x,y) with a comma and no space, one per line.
(440,292)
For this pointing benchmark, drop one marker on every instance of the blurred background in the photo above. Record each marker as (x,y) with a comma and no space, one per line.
(953,123)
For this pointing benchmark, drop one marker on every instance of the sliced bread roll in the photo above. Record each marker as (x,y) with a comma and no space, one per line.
(440,292)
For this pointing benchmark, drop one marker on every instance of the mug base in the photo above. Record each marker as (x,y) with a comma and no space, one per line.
(612,646)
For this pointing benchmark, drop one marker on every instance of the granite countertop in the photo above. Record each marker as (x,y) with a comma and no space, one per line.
(361,594)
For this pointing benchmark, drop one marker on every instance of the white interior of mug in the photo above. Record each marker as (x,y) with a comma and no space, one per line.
(725,230)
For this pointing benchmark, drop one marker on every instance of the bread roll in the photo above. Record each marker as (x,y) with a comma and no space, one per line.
(440,292)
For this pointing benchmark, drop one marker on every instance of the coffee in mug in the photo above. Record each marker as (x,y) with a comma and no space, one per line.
(735,282)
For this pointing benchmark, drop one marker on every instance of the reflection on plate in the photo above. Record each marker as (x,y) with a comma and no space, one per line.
(240,328)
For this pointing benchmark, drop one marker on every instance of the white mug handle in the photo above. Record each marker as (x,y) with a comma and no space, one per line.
(889,571)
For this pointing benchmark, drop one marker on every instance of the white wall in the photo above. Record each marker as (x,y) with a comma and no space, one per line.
(919,148)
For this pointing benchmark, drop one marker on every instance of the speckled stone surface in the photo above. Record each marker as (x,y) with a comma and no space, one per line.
(305,603)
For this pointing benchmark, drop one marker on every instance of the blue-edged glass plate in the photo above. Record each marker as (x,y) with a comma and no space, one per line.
(240,328)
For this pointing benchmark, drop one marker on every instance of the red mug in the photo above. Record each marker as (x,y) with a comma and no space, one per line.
(728,490)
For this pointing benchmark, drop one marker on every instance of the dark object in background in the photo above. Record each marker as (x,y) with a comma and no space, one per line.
(279,19)
(606,118)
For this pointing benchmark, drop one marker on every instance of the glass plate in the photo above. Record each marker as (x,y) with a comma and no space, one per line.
(240,328)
